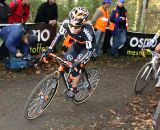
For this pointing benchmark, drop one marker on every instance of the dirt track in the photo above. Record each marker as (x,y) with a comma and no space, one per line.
(108,101)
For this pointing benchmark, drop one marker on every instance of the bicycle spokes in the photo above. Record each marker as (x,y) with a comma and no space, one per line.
(41,97)
(144,78)
(35,107)
(146,72)
(87,85)
(48,86)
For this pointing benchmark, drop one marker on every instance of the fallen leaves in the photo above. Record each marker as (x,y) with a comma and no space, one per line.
(138,113)
(112,111)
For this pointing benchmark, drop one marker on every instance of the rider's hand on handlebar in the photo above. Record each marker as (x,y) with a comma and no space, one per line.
(76,65)
(45,55)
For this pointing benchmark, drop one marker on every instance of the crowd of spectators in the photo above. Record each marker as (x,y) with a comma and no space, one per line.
(18,11)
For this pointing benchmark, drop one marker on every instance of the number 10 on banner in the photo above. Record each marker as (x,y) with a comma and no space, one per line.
(43,35)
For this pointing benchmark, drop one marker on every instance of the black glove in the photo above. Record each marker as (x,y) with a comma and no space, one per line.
(46,53)
(76,64)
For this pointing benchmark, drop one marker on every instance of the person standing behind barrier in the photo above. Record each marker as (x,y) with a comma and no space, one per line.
(118,27)
(5,11)
(20,11)
(100,22)
(47,12)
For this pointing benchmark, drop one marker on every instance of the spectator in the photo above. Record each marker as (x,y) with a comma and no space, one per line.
(100,22)
(20,11)
(17,40)
(47,13)
(118,27)
(4,12)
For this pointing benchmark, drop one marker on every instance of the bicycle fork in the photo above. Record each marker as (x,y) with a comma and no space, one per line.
(66,76)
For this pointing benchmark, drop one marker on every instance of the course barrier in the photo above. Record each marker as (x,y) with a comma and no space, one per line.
(46,34)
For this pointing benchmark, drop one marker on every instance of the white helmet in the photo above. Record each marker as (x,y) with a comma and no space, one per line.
(78,16)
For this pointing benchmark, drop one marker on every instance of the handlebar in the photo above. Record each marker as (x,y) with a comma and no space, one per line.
(153,53)
(60,60)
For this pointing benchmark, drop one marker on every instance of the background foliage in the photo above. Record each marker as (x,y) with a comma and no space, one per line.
(64,7)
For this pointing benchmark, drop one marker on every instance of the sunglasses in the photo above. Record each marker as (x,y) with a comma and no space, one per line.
(76,27)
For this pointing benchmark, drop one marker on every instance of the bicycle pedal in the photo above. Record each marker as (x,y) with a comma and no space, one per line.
(68,98)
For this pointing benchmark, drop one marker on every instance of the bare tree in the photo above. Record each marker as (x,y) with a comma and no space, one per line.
(143,15)
(138,12)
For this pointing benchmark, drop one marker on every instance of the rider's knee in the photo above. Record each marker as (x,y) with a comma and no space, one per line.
(157,49)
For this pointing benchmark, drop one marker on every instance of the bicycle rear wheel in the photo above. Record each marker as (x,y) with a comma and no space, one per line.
(156,117)
(88,83)
(144,76)
(157,123)
(41,96)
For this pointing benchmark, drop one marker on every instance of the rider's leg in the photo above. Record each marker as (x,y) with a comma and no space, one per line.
(155,62)
(70,55)
(74,76)
(75,81)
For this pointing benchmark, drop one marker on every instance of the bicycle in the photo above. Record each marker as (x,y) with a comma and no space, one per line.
(42,95)
(146,74)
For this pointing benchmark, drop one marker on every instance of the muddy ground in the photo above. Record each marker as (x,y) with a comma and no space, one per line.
(113,106)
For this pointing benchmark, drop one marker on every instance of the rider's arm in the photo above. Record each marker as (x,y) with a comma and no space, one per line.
(59,36)
(157,35)
(153,40)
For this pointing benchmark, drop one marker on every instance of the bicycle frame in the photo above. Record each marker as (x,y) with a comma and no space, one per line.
(62,69)
(154,54)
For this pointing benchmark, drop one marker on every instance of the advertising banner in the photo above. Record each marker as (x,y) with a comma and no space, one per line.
(133,44)
(46,34)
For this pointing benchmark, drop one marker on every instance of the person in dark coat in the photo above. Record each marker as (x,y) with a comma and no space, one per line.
(5,11)
(118,27)
(47,13)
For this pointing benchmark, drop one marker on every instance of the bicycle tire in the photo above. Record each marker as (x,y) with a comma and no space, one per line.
(157,123)
(85,92)
(143,78)
(156,117)
(41,96)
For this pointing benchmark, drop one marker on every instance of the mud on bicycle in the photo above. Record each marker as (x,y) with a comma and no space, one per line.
(42,95)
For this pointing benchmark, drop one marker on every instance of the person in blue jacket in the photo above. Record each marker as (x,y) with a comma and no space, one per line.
(17,40)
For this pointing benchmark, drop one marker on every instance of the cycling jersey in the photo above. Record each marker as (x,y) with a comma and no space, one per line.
(84,39)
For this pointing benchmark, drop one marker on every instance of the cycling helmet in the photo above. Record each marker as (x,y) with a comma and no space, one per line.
(122,1)
(78,16)
(108,1)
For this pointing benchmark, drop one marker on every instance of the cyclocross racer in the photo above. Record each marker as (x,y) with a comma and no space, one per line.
(157,49)
(83,44)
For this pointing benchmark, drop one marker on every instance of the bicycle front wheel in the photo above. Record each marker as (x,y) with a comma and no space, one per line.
(88,83)
(41,96)
(143,78)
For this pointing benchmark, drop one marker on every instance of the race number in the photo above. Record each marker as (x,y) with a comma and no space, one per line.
(88,44)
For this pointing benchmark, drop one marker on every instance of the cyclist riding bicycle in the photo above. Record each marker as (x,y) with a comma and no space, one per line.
(82,46)
(156,57)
